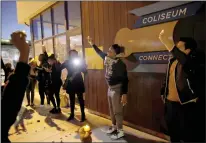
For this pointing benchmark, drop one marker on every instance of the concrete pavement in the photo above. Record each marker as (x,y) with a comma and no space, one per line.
(41,126)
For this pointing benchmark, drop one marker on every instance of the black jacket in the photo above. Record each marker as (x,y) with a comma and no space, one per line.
(116,71)
(12,98)
(56,75)
(76,85)
(189,76)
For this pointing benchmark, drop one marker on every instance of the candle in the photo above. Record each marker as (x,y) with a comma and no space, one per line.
(87,128)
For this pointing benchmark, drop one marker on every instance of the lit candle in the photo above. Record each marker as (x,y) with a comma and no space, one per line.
(87,128)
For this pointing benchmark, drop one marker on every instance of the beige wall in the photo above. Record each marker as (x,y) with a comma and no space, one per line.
(28,9)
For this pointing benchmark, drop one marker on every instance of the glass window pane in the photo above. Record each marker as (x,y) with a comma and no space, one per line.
(49,46)
(61,48)
(59,18)
(36,28)
(37,49)
(74,14)
(61,52)
(76,44)
(47,24)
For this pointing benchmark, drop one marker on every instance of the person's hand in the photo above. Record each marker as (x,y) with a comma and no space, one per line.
(89,40)
(43,48)
(18,38)
(164,39)
(124,99)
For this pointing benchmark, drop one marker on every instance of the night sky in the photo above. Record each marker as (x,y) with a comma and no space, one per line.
(9,22)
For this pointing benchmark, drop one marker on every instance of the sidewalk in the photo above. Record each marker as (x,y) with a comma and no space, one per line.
(41,126)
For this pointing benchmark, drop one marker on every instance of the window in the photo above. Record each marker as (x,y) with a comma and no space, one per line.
(37,49)
(59,18)
(49,46)
(76,44)
(61,48)
(36,28)
(74,14)
(47,23)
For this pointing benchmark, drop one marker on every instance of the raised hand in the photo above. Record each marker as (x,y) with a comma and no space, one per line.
(168,44)
(43,48)
(89,40)
(18,38)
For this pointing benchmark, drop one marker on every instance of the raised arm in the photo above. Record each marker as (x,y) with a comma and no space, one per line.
(16,86)
(97,50)
(44,52)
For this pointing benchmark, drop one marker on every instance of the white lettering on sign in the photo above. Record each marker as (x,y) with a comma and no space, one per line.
(165,15)
(154,57)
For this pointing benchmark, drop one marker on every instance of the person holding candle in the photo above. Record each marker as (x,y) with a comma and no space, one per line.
(116,77)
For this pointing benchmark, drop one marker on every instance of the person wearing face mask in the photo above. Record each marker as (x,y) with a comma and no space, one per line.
(117,80)
(74,83)
(184,90)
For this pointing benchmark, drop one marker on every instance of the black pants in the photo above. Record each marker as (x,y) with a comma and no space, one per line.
(184,122)
(55,91)
(72,102)
(42,93)
(30,89)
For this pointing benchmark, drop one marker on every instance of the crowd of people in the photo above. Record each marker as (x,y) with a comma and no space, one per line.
(183,91)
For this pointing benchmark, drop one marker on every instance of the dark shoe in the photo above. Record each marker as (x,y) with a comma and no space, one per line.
(71,117)
(27,105)
(83,118)
(32,104)
(53,111)
(59,110)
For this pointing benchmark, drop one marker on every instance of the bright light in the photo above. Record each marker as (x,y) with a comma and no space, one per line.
(76,62)
(15,57)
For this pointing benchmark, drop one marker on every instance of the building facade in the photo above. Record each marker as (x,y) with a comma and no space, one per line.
(62,26)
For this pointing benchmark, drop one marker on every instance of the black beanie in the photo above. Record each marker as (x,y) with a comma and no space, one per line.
(52,56)
(190,43)
(117,48)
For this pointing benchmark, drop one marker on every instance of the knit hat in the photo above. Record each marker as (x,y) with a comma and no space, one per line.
(190,43)
(52,57)
(118,49)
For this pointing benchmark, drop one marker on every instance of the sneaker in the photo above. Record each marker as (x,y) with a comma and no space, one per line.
(59,110)
(53,111)
(71,117)
(119,134)
(111,130)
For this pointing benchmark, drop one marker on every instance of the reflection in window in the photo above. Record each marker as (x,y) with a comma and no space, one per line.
(74,14)
(76,43)
(59,18)
(47,24)
(61,48)
(61,52)
(37,49)
(49,46)
(37,28)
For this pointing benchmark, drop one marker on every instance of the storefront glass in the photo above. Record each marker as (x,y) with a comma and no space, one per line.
(36,28)
(76,44)
(47,23)
(61,48)
(59,18)
(74,14)
(49,45)
(37,49)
